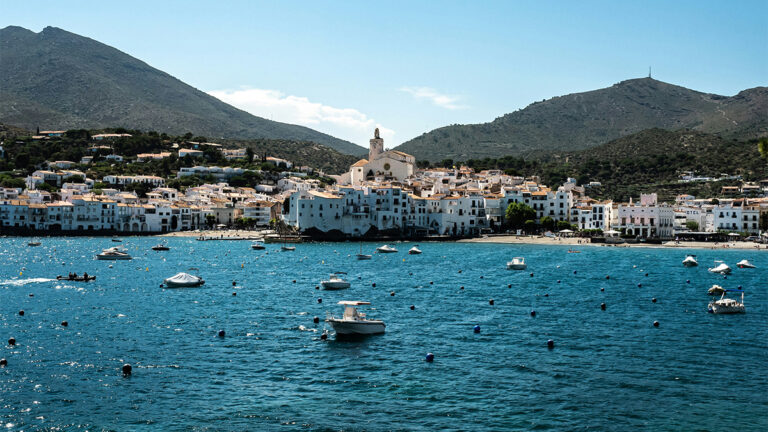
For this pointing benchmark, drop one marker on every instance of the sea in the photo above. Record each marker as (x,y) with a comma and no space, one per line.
(608,370)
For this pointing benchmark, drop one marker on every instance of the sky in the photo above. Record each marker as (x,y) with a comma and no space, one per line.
(409,67)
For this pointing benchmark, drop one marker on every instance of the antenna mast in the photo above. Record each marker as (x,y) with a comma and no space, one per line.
(649,71)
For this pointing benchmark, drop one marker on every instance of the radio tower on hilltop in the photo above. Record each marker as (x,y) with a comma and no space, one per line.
(649,71)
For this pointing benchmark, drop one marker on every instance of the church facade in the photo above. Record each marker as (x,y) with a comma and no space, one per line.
(381,166)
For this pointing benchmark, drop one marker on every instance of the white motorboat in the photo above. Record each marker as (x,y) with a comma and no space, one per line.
(287,248)
(354,322)
(690,261)
(721,268)
(33,244)
(517,263)
(725,305)
(258,245)
(335,282)
(744,264)
(414,250)
(113,254)
(183,280)
(161,247)
(386,249)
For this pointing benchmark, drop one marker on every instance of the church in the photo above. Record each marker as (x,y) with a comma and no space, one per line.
(390,165)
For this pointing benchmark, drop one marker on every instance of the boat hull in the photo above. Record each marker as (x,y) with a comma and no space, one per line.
(112,258)
(343,327)
(413,252)
(330,286)
(720,309)
(516,266)
(363,257)
(386,250)
(184,285)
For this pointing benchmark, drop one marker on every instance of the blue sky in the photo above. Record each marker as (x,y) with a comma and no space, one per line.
(409,67)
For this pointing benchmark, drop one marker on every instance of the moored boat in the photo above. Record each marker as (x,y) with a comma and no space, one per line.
(160,247)
(414,250)
(287,248)
(386,249)
(354,322)
(183,280)
(721,268)
(75,278)
(744,264)
(258,245)
(517,263)
(113,254)
(335,282)
(690,261)
(725,305)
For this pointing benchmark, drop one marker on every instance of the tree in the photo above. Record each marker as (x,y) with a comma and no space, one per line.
(518,213)
(547,223)
(529,226)
(762,147)
(561,225)
(249,154)
(210,220)
(692,225)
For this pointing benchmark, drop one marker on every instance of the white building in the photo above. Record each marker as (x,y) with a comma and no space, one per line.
(381,166)
(648,219)
(737,217)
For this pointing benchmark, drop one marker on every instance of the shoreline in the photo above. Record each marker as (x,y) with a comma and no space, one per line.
(576,241)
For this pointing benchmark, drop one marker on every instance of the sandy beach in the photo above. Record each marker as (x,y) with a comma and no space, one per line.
(219,234)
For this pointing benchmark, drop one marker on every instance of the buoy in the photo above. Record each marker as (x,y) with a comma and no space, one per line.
(533,313)
(413,307)
(688,281)
(161,285)
(64,324)
(646,275)
(319,300)
(242,265)
(410,273)
(324,336)
(531,274)
(459,271)
(429,358)
(490,302)
(317,287)
(11,341)
(476,329)
(316,320)
(462,287)
(127,369)
(234,293)
(3,362)
(602,306)
(431,283)
(234,283)
(574,272)
(550,344)
(655,323)
(546,295)
(602,289)
(653,300)
(222,333)
(481,277)
(509,286)
(21,313)
(607,277)
(392,293)
(739,286)
(558,281)
(639,285)
(373,284)
(294,281)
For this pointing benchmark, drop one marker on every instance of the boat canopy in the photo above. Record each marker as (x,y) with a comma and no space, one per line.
(353,303)
(183,278)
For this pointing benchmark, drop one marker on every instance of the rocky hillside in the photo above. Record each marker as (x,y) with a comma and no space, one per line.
(583,120)
(59,80)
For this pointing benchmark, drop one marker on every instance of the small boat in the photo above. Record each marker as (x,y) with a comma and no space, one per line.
(82,278)
(361,256)
(183,280)
(725,305)
(33,244)
(335,282)
(386,249)
(517,263)
(160,247)
(721,268)
(690,261)
(414,250)
(354,322)
(113,254)
(744,264)
(573,251)
(287,248)
(117,240)
(258,245)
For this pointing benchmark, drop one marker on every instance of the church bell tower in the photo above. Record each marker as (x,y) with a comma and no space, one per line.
(377,146)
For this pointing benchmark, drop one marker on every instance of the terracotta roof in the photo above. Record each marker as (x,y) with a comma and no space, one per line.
(360,163)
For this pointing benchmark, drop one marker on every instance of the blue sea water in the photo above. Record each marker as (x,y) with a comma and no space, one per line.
(609,370)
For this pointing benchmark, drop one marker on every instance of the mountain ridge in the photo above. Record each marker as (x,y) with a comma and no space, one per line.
(582,120)
(60,80)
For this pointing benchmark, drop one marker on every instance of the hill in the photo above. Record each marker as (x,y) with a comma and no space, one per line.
(583,120)
(58,80)
(648,161)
